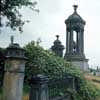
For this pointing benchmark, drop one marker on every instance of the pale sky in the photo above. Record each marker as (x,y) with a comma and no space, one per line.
(50,22)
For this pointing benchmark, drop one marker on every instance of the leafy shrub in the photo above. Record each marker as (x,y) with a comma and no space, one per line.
(42,61)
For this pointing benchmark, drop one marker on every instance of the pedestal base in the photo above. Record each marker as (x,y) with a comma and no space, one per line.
(97,73)
(83,65)
(78,61)
(13,84)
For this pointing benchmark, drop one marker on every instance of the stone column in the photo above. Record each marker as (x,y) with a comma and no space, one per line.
(71,42)
(78,42)
(39,88)
(14,73)
(82,41)
(66,41)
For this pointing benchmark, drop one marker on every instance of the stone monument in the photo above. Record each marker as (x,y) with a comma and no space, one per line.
(14,72)
(75,40)
(58,48)
(39,88)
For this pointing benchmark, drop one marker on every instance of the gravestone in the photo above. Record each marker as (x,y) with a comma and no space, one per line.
(14,72)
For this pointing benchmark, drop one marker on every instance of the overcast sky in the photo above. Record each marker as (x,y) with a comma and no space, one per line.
(50,22)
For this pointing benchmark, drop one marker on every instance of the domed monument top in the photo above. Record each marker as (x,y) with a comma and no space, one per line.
(75,40)
(76,20)
(75,17)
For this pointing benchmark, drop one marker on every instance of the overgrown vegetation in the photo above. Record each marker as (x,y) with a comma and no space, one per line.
(41,61)
(90,78)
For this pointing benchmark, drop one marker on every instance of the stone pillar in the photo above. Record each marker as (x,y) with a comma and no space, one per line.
(14,73)
(82,40)
(68,44)
(77,42)
(39,88)
(67,41)
(71,42)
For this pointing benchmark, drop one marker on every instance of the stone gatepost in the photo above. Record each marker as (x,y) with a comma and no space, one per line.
(14,72)
(39,88)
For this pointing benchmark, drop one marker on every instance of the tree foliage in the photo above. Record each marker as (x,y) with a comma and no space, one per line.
(10,10)
(41,61)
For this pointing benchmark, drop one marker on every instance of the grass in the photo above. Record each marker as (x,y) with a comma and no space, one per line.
(91,78)
(26,92)
(96,83)
(26,97)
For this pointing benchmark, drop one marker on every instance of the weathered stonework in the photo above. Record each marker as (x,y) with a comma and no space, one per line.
(75,41)
(98,73)
(39,88)
(83,65)
(13,84)
(14,73)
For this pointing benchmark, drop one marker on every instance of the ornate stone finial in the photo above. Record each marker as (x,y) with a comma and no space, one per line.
(12,39)
(75,8)
(57,37)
